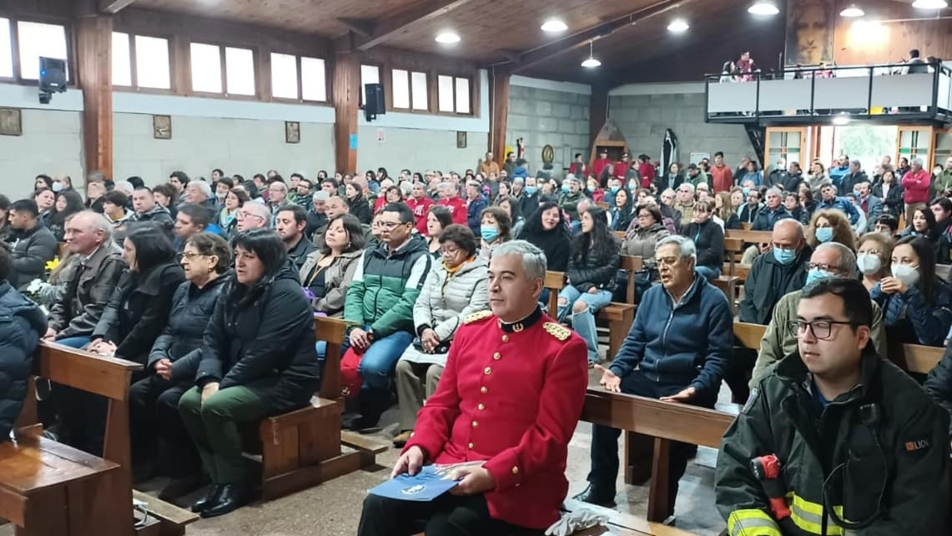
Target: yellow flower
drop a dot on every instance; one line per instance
(51, 265)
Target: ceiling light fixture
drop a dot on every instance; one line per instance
(678, 26)
(763, 8)
(930, 4)
(554, 26)
(852, 11)
(591, 62)
(841, 119)
(447, 38)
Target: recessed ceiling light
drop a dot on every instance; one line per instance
(591, 62)
(841, 119)
(678, 26)
(447, 38)
(852, 11)
(763, 8)
(930, 4)
(554, 26)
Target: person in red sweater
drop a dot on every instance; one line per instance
(621, 168)
(420, 204)
(915, 187)
(722, 179)
(449, 198)
(578, 167)
(599, 165)
(646, 171)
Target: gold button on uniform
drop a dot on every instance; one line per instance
(505, 338)
(471, 446)
(515, 470)
(475, 424)
(481, 407)
(496, 356)
(487, 371)
(483, 390)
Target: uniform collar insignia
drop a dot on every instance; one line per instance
(527, 322)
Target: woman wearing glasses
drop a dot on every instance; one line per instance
(161, 445)
(454, 289)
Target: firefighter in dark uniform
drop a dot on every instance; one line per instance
(511, 396)
(861, 448)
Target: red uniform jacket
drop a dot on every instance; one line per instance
(512, 399)
(457, 206)
(621, 169)
(578, 169)
(420, 210)
(647, 173)
(599, 165)
(915, 186)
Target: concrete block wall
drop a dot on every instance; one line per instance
(200, 144)
(417, 149)
(549, 117)
(51, 143)
(643, 120)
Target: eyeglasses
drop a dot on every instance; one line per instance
(242, 215)
(389, 224)
(823, 266)
(192, 255)
(821, 329)
(449, 252)
(667, 261)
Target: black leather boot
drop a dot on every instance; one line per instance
(210, 498)
(231, 498)
(595, 496)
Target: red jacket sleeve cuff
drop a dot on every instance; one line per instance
(430, 449)
(505, 469)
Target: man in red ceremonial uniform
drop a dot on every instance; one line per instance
(599, 164)
(511, 396)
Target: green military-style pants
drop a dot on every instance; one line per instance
(213, 427)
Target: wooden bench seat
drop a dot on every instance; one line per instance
(620, 523)
(619, 316)
(164, 519)
(728, 285)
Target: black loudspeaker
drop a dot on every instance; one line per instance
(373, 101)
(52, 75)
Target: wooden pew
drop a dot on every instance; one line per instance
(665, 422)
(109, 378)
(750, 237)
(733, 250)
(631, 264)
(749, 335)
(921, 359)
(942, 271)
(620, 316)
(302, 449)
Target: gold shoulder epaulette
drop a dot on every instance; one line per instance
(476, 317)
(558, 331)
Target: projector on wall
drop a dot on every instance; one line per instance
(52, 78)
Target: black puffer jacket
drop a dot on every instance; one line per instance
(138, 310)
(709, 241)
(263, 338)
(21, 326)
(590, 269)
(181, 340)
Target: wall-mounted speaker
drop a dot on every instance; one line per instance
(374, 104)
(52, 78)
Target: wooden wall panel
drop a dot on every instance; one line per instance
(94, 66)
(889, 42)
(346, 95)
(499, 85)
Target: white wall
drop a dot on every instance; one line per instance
(51, 142)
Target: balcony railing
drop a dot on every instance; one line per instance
(885, 92)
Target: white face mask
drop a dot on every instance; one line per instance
(868, 263)
(57, 186)
(905, 273)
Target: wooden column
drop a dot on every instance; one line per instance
(598, 113)
(498, 111)
(94, 70)
(347, 105)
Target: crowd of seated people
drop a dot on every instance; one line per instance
(226, 331)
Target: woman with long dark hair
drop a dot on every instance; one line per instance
(68, 202)
(591, 271)
(923, 224)
(258, 359)
(327, 272)
(621, 211)
(158, 435)
(138, 309)
(916, 303)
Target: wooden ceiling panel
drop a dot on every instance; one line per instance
(489, 28)
(310, 16)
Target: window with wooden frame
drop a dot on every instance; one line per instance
(369, 74)
(299, 78)
(231, 73)
(36, 40)
(141, 62)
(6, 49)
(410, 90)
(454, 95)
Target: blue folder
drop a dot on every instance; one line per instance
(428, 484)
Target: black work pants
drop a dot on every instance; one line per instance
(604, 453)
(447, 515)
(157, 429)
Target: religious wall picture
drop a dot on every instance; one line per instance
(162, 127)
(461, 139)
(10, 122)
(292, 132)
(810, 25)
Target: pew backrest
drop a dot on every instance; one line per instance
(555, 282)
(333, 331)
(751, 237)
(749, 335)
(921, 359)
(631, 264)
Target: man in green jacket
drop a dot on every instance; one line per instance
(861, 448)
(780, 339)
(379, 305)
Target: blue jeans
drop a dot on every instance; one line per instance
(74, 342)
(709, 273)
(584, 322)
(380, 360)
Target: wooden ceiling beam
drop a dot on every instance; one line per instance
(531, 57)
(418, 13)
(363, 27)
(112, 7)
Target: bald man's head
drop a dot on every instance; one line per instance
(788, 234)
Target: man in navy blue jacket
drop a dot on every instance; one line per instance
(676, 351)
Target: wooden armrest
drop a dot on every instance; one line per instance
(93, 373)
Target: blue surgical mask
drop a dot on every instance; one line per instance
(858, 194)
(745, 189)
(615, 189)
(57, 187)
(488, 232)
(565, 188)
(784, 256)
(632, 185)
(816, 274)
(531, 190)
(824, 234)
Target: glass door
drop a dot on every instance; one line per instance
(787, 143)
